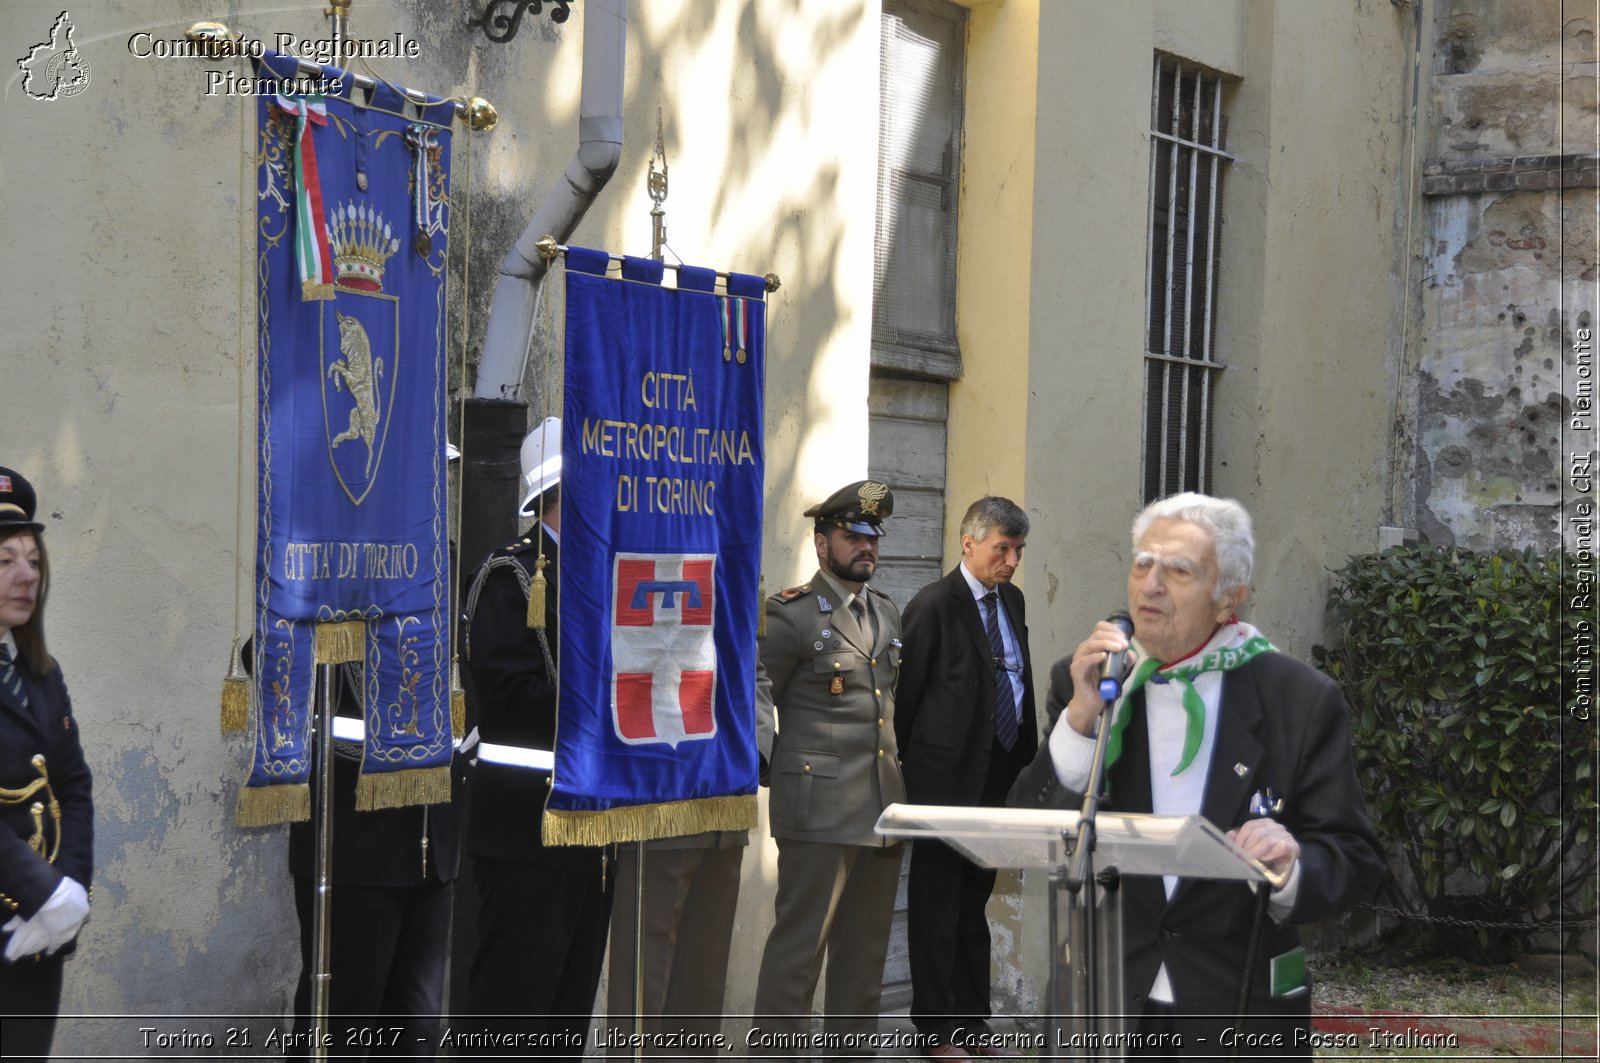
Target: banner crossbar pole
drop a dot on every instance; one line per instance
(549, 250)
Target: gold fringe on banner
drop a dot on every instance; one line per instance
(392, 789)
(761, 608)
(341, 641)
(235, 696)
(536, 590)
(638, 823)
(458, 700)
(263, 806)
(315, 292)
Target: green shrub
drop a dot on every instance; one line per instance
(1480, 782)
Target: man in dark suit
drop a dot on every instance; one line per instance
(1214, 721)
(543, 910)
(965, 724)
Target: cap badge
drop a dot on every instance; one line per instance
(871, 493)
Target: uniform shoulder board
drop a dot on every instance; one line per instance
(522, 544)
(792, 593)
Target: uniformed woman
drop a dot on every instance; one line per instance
(46, 814)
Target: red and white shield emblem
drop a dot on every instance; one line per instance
(663, 656)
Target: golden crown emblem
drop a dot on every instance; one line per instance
(362, 245)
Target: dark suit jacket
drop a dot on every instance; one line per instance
(516, 695)
(1282, 725)
(944, 703)
(46, 727)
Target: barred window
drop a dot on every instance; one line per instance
(1188, 134)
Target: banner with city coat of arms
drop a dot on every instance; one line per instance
(352, 560)
(661, 512)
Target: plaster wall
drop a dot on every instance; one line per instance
(1312, 291)
(129, 319)
(1308, 306)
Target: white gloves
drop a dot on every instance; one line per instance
(52, 926)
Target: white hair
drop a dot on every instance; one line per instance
(1224, 519)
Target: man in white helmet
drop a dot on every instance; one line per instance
(542, 910)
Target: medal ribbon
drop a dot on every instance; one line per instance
(1151, 670)
(312, 253)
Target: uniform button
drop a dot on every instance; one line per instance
(807, 767)
(880, 721)
(874, 660)
(877, 693)
(836, 664)
(880, 754)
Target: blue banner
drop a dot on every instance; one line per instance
(352, 556)
(661, 510)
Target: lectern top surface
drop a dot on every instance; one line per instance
(1190, 846)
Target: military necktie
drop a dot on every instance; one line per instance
(858, 606)
(1005, 698)
(10, 679)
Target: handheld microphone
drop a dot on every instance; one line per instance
(1115, 664)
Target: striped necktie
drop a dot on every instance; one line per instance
(1005, 697)
(10, 679)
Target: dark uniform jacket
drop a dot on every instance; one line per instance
(47, 729)
(516, 692)
(407, 846)
(1282, 725)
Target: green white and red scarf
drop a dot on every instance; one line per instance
(1237, 644)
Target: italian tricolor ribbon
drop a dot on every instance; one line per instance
(312, 252)
(1221, 659)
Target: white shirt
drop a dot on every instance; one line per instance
(1008, 638)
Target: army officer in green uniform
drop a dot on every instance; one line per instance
(832, 651)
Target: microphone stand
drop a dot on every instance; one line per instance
(1080, 872)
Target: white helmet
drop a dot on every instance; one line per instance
(541, 463)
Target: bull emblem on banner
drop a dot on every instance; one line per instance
(366, 329)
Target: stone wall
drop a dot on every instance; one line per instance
(1507, 263)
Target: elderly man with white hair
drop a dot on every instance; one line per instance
(1213, 720)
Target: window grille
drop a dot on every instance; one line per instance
(1188, 137)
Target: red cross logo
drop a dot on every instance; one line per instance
(664, 658)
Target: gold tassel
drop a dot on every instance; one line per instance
(264, 806)
(761, 608)
(458, 700)
(536, 588)
(235, 696)
(644, 822)
(392, 789)
(340, 642)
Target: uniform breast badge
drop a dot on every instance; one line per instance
(836, 686)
